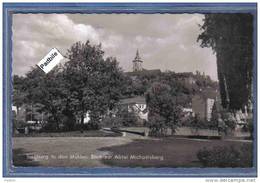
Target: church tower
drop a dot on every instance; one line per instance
(137, 63)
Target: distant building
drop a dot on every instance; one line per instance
(86, 118)
(137, 63)
(186, 77)
(209, 106)
(134, 104)
(187, 111)
(138, 69)
(202, 103)
(137, 105)
(144, 72)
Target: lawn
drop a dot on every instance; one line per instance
(61, 151)
(110, 151)
(166, 152)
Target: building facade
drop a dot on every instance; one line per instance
(202, 104)
(137, 105)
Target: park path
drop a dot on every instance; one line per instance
(130, 134)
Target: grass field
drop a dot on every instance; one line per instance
(167, 152)
(110, 151)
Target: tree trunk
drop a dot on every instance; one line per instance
(82, 123)
(56, 119)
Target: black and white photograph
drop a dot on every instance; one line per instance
(133, 90)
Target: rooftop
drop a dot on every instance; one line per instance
(133, 100)
(208, 93)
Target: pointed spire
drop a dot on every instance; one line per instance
(137, 57)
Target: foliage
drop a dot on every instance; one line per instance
(163, 111)
(112, 121)
(92, 83)
(43, 92)
(123, 118)
(157, 125)
(86, 82)
(128, 118)
(197, 123)
(226, 156)
(231, 37)
(68, 120)
(226, 122)
(229, 120)
(50, 127)
(18, 124)
(183, 85)
(18, 94)
(250, 127)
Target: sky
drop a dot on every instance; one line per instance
(164, 41)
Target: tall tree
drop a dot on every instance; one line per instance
(93, 83)
(164, 112)
(231, 38)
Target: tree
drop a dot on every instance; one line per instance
(18, 91)
(231, 38)
(46, 92)
(128, 118)
(164, 112)
(93, 83)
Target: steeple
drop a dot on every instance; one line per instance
(137, 57)
(137, 62)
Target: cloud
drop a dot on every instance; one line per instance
(165, 41)
(35, 35)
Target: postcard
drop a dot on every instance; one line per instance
(129, 90)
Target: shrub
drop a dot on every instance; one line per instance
(112, 121)
(197, 123)
(68, 121)
(249, 127)
(86, 126)
(93, 125)
(220, 156)
(19, 123)
(230, 122)
(157, 126)
(49, 127)
(123, 118)
(127, 118)
(164, 111)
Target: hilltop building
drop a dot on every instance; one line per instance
(139, 70)
(137, 63)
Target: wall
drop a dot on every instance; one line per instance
(199, 106)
